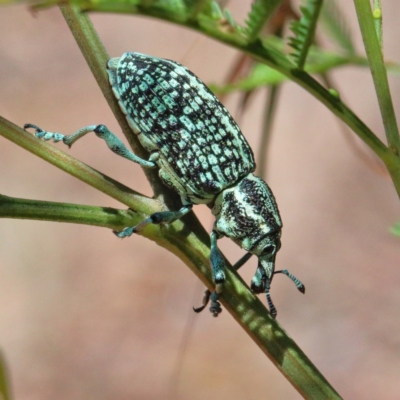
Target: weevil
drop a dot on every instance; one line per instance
(201, 153)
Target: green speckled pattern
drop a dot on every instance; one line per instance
(201, 149)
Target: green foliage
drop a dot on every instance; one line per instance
(318, 62)
(261, 11)
(216, 11)
(229, 18)
(304, 31)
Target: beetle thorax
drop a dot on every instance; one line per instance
(247, 213)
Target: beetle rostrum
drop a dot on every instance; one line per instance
(200, 153)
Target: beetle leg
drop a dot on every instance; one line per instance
(57, 137)
(116, 145)
(215, 307)
(112, 141)
(158, 218)
(217, 260)
(208, 293)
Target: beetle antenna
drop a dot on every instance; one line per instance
(271, 306)
(300, 287)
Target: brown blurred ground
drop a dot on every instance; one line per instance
(86, 316)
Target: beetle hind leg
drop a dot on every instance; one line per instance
(58, 137)
(101, 131)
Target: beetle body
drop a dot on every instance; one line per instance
(201, 153)
(199, 148)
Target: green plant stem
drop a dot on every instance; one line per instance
(276, 60)
(379, 75)
(377, 14)
(188, 240)
(11, 207)
(268, 120)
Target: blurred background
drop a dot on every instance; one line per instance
(86, 316)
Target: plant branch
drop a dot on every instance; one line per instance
(268, 120)
(378, 70)
(11, 207)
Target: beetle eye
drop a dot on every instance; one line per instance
(268, 250)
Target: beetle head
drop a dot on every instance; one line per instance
(247, 213)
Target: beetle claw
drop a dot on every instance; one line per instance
(206, 299)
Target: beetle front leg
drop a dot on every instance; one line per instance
(112, 141)
(217, 262)
(208, 294)
(158, 218)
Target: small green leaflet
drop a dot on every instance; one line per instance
(304, 30)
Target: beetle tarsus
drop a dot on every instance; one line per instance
(125, 232)
(215, 307)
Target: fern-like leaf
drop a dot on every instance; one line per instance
(261, 11)
(304, 30)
